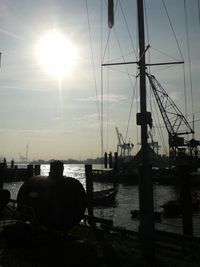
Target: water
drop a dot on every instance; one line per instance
(126, 200)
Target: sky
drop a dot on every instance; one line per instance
(59, 117)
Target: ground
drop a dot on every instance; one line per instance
(24, 244)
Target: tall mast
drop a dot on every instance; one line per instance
(145, 184)
(143, 119)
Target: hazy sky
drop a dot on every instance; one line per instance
(60, 119)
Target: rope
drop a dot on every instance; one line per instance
(185, 94)
(119, 58)
(163, 53)
(137, 110)
(128, 30)
(122, 57)
(127, 72)
(189, 58)
(172, 29)
(109, 31)
(121, 71)
(93, 68)
(108, 100)
(198, 10)
(146, 21)
(102, 107)
(148, 51)
(130, 111)
(103, 54)
(157, 120)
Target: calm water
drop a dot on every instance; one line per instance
(126, 200)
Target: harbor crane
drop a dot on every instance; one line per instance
(175, 122)
(154, 144)
(123, 147)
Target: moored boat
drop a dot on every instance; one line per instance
(174, 207)
(104, 197)
(136, 214)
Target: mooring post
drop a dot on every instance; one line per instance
(37, 169)
(1, 182)
(186, 199)
(30, 170)
(89, 191)
(116, 161)
(110, 160)
(56, 170)
(1, 175)
(105, 160)
(12, 164)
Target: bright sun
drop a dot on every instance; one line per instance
(56, 54)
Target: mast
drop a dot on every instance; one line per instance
(145, 184)
(143, 119)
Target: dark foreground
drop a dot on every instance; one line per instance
(22, 245)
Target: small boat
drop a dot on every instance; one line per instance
(104, 197)
(121, 176)
(174, 207)
(136, 214)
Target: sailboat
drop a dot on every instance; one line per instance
(182, 150)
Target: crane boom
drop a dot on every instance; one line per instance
(175, 122)
(173, 118)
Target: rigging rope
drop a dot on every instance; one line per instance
(189, 57)
(93, 68)
(129, 77)
(185, 96)
(102, 111)
(136, 56)
(163, 53)
(175, 37)
(103, 54)
(109, 31)
(159, 127)
(130, 111)
(108, 93)
(148, 51)
(127, 71)
(123, 57)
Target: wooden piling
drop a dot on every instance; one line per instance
(37, 169)
(89, 191)
(110, 160)
(186, 199)
(105, 160)
(30, 170)
(116, 161)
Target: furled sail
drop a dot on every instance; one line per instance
(110, 13)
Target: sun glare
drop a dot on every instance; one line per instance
(56, 54)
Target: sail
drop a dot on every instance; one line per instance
(110, 13)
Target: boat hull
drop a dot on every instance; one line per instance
(104, 197)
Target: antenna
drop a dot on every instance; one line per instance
(27, 148)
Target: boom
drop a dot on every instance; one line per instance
(175, 122)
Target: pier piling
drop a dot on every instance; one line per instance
(186, 199)
(89, 191)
